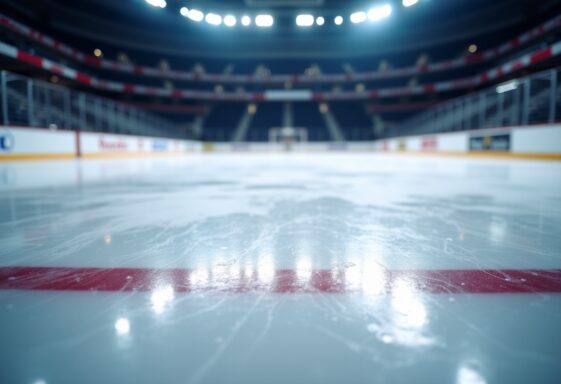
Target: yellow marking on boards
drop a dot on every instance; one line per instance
(484, 154)
(37, 156)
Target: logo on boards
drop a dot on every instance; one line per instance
(112, 144)
(498, 143)
(7, 141)
(158, 146)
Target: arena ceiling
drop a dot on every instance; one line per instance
(132, 24)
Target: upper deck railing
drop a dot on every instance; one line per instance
(33, 103)
(534, 99)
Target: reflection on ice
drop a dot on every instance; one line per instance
(266, 270)
(224, 273)
(373, 278)
(123, 332)
(409, 311)
(304, 270)
(353, 279)
(497, 229)
(248, 272)
(407, 321)
(368, 278)
(409, 315)
(469, 374)
(122, 326)
(199, 278)
(161, 298)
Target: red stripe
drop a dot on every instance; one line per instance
(188, 109)
(517, 65)
(474, 58)
(541, 55)
(401, 106)
(429, 88)
(92, 60)
(30, 59)
(59, 70)
(316, 96)
(83, 78)
(283, 281)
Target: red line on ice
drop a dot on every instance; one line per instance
(279, 281)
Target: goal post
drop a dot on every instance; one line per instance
(287, 136)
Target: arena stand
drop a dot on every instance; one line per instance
(347, 106)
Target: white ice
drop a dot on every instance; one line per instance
(226, 213)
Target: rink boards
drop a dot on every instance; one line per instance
(20, 143)
(540, 141)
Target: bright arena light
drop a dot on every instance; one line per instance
(195, 15)
(320, 20)
(157, 3)
(304, 20)
(408, 3)
(213, 18)
(338, 20)
(230, 20)
(264, 20)
(358, 17)
(184, 11)
(246, 20)
(379, 13)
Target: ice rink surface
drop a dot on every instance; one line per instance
(281, 268)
